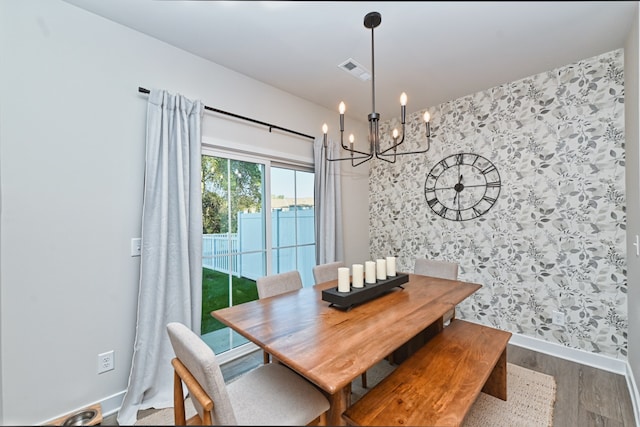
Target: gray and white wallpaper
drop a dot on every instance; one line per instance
(555, 238)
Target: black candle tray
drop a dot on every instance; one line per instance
(346, 300)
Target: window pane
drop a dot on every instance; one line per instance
(233, 241)
(283, 260)
(305, 204)
(306, 261)
(293, 219)
(215, 193)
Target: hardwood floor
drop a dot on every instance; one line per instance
(586, 396)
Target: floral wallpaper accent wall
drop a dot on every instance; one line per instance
(555, 239)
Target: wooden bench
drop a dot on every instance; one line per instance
(439, 383)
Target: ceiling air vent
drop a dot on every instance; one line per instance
(355, 69)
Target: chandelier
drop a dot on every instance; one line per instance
(389, 154)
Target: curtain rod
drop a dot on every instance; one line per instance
(270, 126)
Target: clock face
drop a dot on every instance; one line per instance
(462, 186)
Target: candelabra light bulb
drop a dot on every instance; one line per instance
(395, 134)
(325, 128)
(351, 138)
(342, 108)
(427, 116)
(403, 99)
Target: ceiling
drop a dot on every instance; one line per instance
(433, 51)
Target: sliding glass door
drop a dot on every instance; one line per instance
(258, 219)
(233, 241)
(292, 218)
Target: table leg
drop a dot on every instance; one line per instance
(338, 403)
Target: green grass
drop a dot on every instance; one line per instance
(215, 295)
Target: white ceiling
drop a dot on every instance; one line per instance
(433, 51)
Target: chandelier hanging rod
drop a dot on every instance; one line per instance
(371, 21)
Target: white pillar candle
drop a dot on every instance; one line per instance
(357, 273)
(391, 266)
(381, 269)
(370, 272)
(343, 279)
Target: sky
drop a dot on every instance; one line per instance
(283, 183)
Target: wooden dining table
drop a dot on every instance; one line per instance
(331, 346)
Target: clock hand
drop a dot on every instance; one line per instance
(458, 189)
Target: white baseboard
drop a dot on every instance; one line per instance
(594, 360)
(633, 392)
(108, 406)
(112, 404)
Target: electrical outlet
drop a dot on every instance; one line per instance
(558, 318)
(136, 246)
(106, 362)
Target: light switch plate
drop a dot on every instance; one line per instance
(136, 246)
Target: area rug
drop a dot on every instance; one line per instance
(530, 399)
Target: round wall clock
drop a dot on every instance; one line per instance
(462, 186)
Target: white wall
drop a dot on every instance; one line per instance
(632, 119)
(355, 205)
(72, 132)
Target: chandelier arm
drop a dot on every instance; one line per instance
(379, 156)
(325, 145)
(348, 158)
(354, 151)
(351, 150)
(367, 158)
(408, 152)
(394, 146)
(358, 152)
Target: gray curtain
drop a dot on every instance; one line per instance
(171, 259)
(328, 204)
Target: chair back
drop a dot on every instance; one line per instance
(276, 284)
(441, 270)
(200, 361)
(325, 272)
(436, 268)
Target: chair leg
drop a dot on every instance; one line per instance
(178, 401)
(363, 377)
(323, 419)
(265, 357)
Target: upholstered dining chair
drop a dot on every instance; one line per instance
(442, 270)
(325, 272)
(276, 284)
(268, 395)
